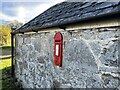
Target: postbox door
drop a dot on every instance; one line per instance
(58, 49)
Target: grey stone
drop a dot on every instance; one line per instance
(20, 65)
(24, 50)
(75, 62)
(107, 35)
(41, 59)
(89, 35)
(107, 69)
(30, 47)
(113, 83)
(82, 50)
(110, 55)
(25, 64)
(56, 84)
(33, 56)
(26, 40)
(89, 82)
(110, 81)
(37, 46)
(20, 38)
(96, 48)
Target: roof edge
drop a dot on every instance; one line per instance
(116, 14)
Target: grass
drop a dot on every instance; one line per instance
(5, 63)
(8, 83)
(6, 45)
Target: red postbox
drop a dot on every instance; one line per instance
(58, 39)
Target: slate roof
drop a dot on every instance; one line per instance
(66, 12)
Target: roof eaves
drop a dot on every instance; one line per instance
(64, 23)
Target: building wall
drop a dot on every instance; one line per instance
(90, 59)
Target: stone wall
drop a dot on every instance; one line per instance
(90, 59)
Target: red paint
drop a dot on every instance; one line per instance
(58, 39)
